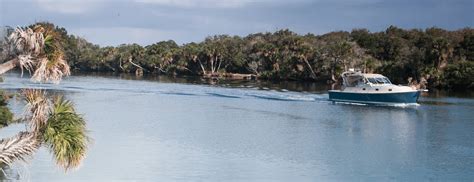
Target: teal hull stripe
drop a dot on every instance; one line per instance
(405, 97)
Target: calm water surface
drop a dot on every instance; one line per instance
(162, 130)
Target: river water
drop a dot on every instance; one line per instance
(160, 129)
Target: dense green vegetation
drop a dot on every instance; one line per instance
(440, 57)
(6, 116)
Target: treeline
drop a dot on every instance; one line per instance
(443, 58)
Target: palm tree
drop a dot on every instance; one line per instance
(65, 133)
(37, 50)
(51, 121)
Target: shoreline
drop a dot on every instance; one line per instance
(261, 84)
(237, 77)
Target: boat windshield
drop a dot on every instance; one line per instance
(353, 80)
(379, 80)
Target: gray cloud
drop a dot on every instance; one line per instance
(108, 22)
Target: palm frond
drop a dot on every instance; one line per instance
(39, 51)
(51, 70)
(37, 108)
(26, 61)
(27, 45)
(18, 147)
(52, 66)
(65, 134)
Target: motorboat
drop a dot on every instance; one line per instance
(365, 88)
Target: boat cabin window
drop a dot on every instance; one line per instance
(379, 80)
(353, 81)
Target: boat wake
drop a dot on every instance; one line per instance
(97, 84)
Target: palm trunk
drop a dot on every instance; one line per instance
(202, 67)
(333, 70)
(345, 65)
(160, 69)
(120, 65)
(215, 65)
(219, 66)
(333, 77)
(135, 64)
(9, 65)
(310, 68)
(212, 65)
(186, 68)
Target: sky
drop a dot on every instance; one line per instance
(114, 22)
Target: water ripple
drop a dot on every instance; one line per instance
(115, 85)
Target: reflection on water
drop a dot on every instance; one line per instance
(166, 129)
(258, 84)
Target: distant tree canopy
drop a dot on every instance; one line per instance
(443, 58)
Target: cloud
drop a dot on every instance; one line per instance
(201, 3)
(113, 36)
(70, 6)
(112, 22)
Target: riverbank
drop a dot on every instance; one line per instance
(292, 85)
(261, 84)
